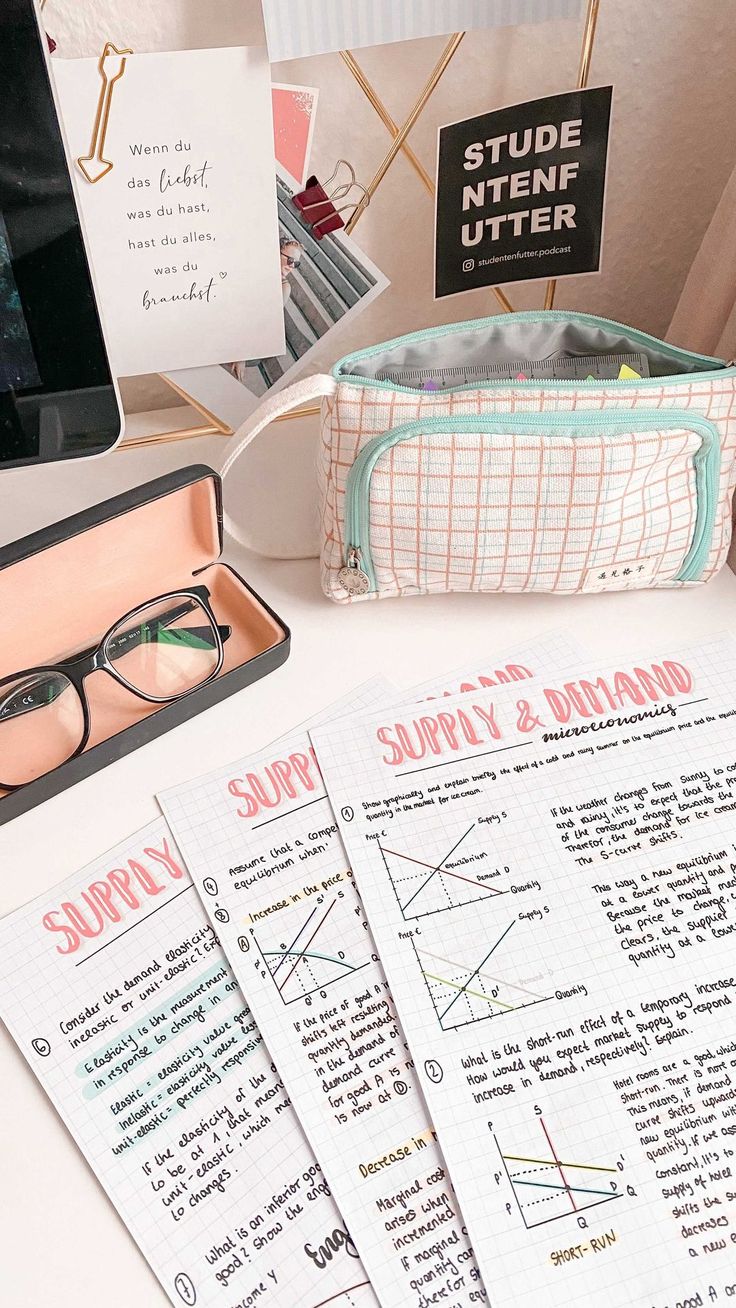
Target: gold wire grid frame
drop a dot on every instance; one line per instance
(212, 425)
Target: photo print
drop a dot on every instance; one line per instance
(324, 284)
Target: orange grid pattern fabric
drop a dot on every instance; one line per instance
(529, 511)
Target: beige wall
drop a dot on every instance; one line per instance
(672, 63)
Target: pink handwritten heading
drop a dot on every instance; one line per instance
(104, 902)
(284, 778)
(450, 731)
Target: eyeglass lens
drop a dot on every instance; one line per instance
(166, 650)
(41, 725)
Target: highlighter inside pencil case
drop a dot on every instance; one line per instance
(563, 486)
(67, 585)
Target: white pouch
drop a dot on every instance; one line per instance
(562, 486)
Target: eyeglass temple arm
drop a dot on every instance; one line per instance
(225, 632)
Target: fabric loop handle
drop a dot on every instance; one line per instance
(309, 388)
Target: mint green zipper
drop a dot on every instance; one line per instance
(706, 466)
(716, 366)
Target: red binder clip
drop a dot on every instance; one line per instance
(317, 205)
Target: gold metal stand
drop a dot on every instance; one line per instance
(399, 143)
(385, 117)
(383, 113)
(586, 54)
(212, 425)
(401, 135)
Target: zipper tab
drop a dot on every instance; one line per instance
(352, 578)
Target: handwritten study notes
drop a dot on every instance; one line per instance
(549, 872)
(117, 992)
(261, 842)
(295, 28)
(178, 203)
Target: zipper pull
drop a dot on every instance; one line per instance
(351, 577)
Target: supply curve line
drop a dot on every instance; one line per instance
(303, 927)
(512, 985)
(446, 871)
(563, 1178)
(475, 973)
(438, 868)
(317, 929)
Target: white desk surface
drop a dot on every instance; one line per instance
(61, 1243)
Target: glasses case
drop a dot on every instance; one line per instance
(66, 585)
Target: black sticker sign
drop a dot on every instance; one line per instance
(520, 192)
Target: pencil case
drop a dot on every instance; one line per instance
(555, 485)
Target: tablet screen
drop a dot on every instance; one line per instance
(57, 398)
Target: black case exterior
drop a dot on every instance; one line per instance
(131, 738)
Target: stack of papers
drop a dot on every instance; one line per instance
(427, 1003)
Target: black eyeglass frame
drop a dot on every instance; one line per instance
(94, 659)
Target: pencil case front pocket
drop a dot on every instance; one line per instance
(558, 502)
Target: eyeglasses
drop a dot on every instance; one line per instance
(290, 263)
(160, 651)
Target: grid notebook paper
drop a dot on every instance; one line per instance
(549, 874)
(260, 840)
(117, 992)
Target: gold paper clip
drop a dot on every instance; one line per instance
(94, 166)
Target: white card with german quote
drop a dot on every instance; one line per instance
(173, 162)
(548, 870)
(116, 990)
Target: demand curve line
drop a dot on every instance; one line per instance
(446, 871)
(477, 994)
(304, 953)
(561, 1189)
(512, 985)
(437, 869)
(547, 1162)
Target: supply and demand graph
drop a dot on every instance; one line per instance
(307, 948)
(427, 881)
(465, 990)
(550, 1180)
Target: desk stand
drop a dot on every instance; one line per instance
(399, 144)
